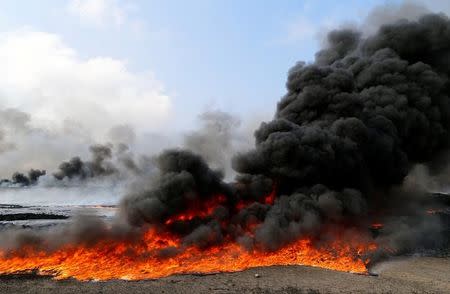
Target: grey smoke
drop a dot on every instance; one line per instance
(11, 120)
(14, 119)
(122, 134)
(391, 13)
(4, 144)
(215, 139)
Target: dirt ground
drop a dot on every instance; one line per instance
(408, 275)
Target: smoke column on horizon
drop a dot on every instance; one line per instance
(219, 136)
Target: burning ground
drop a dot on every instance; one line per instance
(416, 275)
(325, 184)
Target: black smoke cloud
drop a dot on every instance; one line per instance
(107, 161)
(184, 178)
(97, 166)
(21, 180)
(363, 113)
(348, 131)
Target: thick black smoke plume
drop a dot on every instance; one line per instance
(184, 179)
(348, 131)
(363, 113)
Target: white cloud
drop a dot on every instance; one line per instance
(46, 78)
(99, 12)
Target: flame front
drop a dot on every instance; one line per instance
(143, 260)
(158, 252)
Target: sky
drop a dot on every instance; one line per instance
(84, 66)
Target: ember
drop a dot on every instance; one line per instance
(377, 226)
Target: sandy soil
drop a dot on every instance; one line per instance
(411, 275)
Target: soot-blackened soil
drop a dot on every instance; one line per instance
(409, 275)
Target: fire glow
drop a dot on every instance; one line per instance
(158, 253)
(142, 260)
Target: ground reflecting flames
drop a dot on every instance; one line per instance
(146, 260)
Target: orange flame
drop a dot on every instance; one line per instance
(270, 199)
(143, 260)
(377, 226)
(198, 209)
(158, 253)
